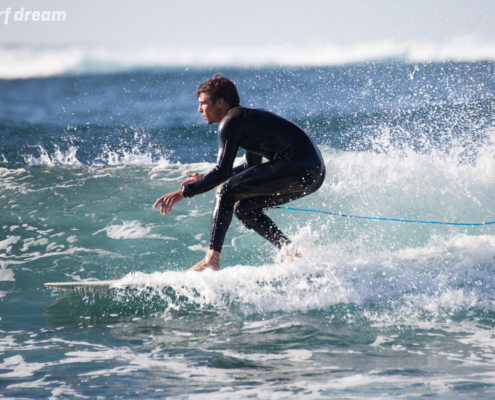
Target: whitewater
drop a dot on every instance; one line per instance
(375, 309)
(24, 61)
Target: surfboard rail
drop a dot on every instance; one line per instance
(81, 285)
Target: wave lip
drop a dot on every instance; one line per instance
(30, 62)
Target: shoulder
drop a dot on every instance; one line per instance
(235, 118)
(235, 113)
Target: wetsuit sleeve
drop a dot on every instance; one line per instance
(229, 134)
(251, 160)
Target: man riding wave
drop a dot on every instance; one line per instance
(294, 168)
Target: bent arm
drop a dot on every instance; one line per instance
(229, 135)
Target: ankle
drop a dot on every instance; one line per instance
(212, 257)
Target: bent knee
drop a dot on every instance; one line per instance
(223, 188)
(224, 192)
(238, 211)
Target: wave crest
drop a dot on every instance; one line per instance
(30, 62)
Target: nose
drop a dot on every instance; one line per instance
(199, 109)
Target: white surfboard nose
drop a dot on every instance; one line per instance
(81, 285)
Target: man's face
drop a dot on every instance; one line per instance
(211, 112)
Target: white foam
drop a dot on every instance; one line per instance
(28, 242)
(33, 256)
(19, 367)
(29, 62)
(166, 172)
(132, 230)
(448, 273)
(25, 62)
(59, 157)
(7, 172)
(6, 275)
(10, 179)
(68, 157)
(40, 383)
(134, 157)
(7, 243)
(414, 187)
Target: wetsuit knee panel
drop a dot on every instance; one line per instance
(222, 188)
(239, 212)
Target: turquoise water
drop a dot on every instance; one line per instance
(374, 310)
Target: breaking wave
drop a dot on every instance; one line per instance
(32, 62)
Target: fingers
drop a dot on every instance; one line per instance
(158, 202)
(164, 201)
(165, 207)
(167, 204)
(190, 180)
(167, 201)
(195, 176)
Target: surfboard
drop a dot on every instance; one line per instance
(81, 285)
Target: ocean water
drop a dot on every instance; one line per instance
(375, 309)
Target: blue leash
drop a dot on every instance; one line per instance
(387, 219)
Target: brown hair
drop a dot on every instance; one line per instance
(219, 87)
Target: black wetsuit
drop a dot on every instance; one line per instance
(295, 168)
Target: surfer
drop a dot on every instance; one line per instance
(294, 168)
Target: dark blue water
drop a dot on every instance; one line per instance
(374, 310)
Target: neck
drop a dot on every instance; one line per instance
(225, 110)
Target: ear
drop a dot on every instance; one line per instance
(220, 102)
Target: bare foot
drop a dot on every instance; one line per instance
(291, 255)
(211, 260)
(202, 265)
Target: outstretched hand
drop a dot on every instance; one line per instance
(194, 177)
(168, 200)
